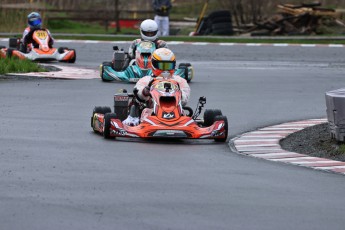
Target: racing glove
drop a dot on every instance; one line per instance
(146, 91)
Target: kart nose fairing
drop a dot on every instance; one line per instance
(52, 54)
(151, 127)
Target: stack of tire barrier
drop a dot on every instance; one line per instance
(335, 102)
(216, 23)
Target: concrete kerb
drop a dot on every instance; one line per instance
(264, 144)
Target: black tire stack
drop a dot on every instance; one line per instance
(216, 23)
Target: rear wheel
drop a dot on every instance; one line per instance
(61, 50)
(13, 43)
(74, 57)
(185, 66)
(210, 115)
(107, 118)
(225, 119)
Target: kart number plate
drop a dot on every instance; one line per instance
(121, 98)
(41, 34)
(146, 45)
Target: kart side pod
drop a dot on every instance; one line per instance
(121, 104)
(119, 59)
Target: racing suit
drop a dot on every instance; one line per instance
(27, 39)
(133, 47)
(133, 118)
(143, 82)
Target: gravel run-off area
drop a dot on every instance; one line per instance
(314, 141)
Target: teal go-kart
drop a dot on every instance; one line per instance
(126, 70)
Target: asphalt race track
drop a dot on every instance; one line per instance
(55, 173)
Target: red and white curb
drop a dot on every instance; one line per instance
(264, 144)
(67, 72)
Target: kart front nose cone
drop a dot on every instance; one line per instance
(170, 133)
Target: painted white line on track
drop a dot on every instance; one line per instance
(281, 44)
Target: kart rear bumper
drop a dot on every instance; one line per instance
(52, 55)
(133, 73)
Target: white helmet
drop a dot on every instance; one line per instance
(149, 30)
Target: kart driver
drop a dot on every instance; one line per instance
(149, 32)
(34, 23)
(163, 66)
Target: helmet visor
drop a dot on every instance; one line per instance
(150, 33)
(35, 21)
(164, 65)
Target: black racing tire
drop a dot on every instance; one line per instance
(210, 115)
(222, 32)
(9, 52)
(185, 67)
(13, 43)
(219, 14)
(222, 26)
(221, 20)
(99, 109)
(107, 117)
(225, 119)
(102, 70)
(74, 58)
(61, 50)
(189, 109)
(203, 26)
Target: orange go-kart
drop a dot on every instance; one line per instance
(163, 116)
(40, 51)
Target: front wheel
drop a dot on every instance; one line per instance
(101, 110)
(107, 125)
(225, 119)
(102, 70)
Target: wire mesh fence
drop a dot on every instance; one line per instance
(13, 12)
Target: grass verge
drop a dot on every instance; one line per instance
(15, 65)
